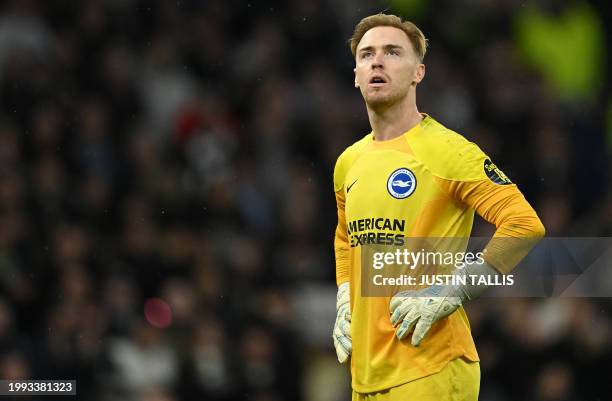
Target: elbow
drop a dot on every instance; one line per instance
(538, 230)
(532, 226)
(527, 227)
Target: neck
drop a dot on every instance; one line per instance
(389, 122)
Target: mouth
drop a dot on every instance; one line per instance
(377, 81)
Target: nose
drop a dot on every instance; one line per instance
(377, 61)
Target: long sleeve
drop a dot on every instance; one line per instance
(341, 244)
(518, 225)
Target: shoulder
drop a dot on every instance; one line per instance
(448, 154)
(346, 160)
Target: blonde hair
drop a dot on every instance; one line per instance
(412, 31)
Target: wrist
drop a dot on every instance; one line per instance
(473, 287)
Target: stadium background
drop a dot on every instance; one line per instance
(184, 150)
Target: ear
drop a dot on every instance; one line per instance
(419, 73)
(355, 72)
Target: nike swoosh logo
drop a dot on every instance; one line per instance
(351, 186)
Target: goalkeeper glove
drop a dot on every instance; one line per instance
(342, 328)
(421, 309)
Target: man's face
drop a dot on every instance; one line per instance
(386, 66)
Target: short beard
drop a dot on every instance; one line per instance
(382, 103)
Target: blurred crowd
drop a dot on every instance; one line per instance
(183, 151)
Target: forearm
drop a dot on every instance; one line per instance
(473, 287)
(341, 244)
(343, 270)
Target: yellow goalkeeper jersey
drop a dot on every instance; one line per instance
(425, 183)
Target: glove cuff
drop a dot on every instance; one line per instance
(344, 295)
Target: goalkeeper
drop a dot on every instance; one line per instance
(412, 177)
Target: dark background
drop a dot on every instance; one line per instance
(183, 150)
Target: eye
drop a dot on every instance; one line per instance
(393, 52)
(366, 54)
